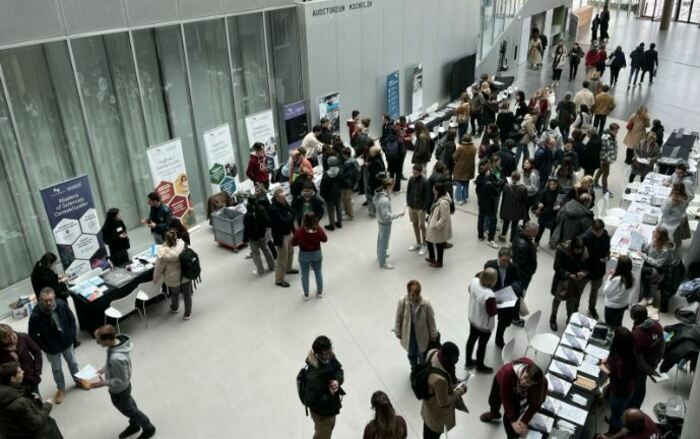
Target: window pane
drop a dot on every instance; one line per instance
(161, 64)
(211, 81)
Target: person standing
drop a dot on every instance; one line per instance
(520, 387)
(158, 218)
(566, 115)
(529, 129)
(331, 185)
(309, 238)
(52, 327)
(168, 270)
(547, 208)
(618, 290)
(595, 24)
(116, 376)
(116, 237)
(439, 230)
(415, 323)
(650, 62)
(463, 112)
(376, 173)
(534, 51)
(438, 411)
(394, 151)
(258, 171)
(421, 150)
(618, 63)
(621, 368)
(487, 192)
(636, 61)
(558, 63)
(608, 156)
(464, 157)
(44, 275)
(282, 224)
(308, 201)
(23, 415)
(255, 224)
(19, 347)
(531, 180)
(382, 202)
(323, 392)
(418, 202)
(482, 312)
(544, 159)
(637, 126)
(649, 346)
(180, 230)
(604, 23)
(505, 121)
(513, 206)
(508, 276)
(525, 258)
(386, 423)
(584, 96)
(575, 55)
(597, 242)
(604, 105)
(350, 177)
(312, 145)
(658, 129)
(570, 275)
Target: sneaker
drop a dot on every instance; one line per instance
(481, 238)
(319, 294)
(147, 433)
(415, 247)
(460, 202)
(129, 431)
(492, 244)
(282, 284)
(448, 245)
(173, 311)
(387, 266)
(489, 416)
(306, 298)
(644, 302)
(469, 364)
(255, 272)
(484, 368)
(188, 318)
(423, 250)
(58, 397)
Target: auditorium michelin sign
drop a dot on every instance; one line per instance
(340, 9)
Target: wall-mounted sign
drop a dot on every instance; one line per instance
(417, 90)
(393, 107)
(169, 176)
(221, 160)
(339, 9)
(329, 107)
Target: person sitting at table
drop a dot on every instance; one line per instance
(180, 230)
(657, 256)
(158, 217)
(673, 215)
(635, 425)
(115, 236)
(44, 275)
(517, 385)
(681, 175)
(617, 291)
(621, 369)
(168, 270)
(645, 155)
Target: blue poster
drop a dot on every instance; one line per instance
(393, 108)
(76, 229)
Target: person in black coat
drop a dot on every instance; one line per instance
(649, 63)
(331, 184)
(508, 164)
(597, 242)
(158, 217)
(508, 276)
(394, 151)
(487, 192)
(570, 276)
(591, 158)
(658, 129)
(307, 201)
(505, 122)
(115, 236)
(566, 115)
(525, 253)
(323, 391)
(547, 208)
(282, 218)
(618, 63)
(604, 23)
(43, 275)
(376, 173)
(255, 224)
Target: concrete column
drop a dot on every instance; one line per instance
(666, 13)
(691, 425)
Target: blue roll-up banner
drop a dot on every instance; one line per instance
(393, 108)
(70, 208)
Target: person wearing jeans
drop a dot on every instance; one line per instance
(439, 226)
(463, 170)
(482, 312)
(309, 238)
(382, 203)
(603, 105)
(52, 327)
(487, 192)
(608, 155)
(414, 325)
(169, 271)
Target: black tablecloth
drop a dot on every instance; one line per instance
(668, 160)
(91, 315)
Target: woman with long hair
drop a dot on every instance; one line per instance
(115, 236)
(637, 126)
(621, 367)
(657, 255)
(386, 423)
(558, 63)
(169, 271)
(44, 275)
(180, 230)
(673, 214)
(531, 180)
(547, 208)
(309, 238)
(646, 153)
(617, 291)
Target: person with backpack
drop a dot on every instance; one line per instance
(331, 184)
(394, 151)
(168, 270)
(350, 176)
(415, 324)
(386, 423)
(482, 317)
(440, 390)
(649, 347)
(255, 224)
(319, 386)
(520, 387)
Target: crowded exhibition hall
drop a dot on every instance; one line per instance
(319, 219)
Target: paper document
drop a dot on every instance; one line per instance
(642, 161)
(573, 342)
(506, 304)
(597, 352)
(572, 413)
(542, 423)
(637, 240)
(551, 405)
(87, 373)
(505, 294)
(578, 332)
(563, 369)
(579, 319)
(589, 369)
(557, 385)
(569, 355)
(532, 434)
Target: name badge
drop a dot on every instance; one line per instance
(119, 229)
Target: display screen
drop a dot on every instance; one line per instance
(295, 124)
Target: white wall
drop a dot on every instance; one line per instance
(352, 51)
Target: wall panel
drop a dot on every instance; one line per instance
(83, 16)
(142, 12)
(26, 20)
(199, 8)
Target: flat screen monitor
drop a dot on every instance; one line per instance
(462, 75)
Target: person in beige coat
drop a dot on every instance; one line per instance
(415, 323)
(439, 226)
(438, 411)
(167, 271)
(637, 126)
(463, 171)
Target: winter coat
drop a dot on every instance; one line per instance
(511, 278)
(43, 277)
(505, 121)
(598, 253)
(591, 157)
(47, 335)
(524, 254)
(317, 395)
(685, 344)
(575, 55)
(24, 416)
(255, 223)
(464, 158)
(604, 104)
(643, 150)
(258, 170)
(118, 365)
(377, 172)
(638, 131)
(438, 178)
(421, 150)
(418, 193)
(28, 356)
(608, 151)
(529, 130)
(534, 52)
(382, 204)
(566, 112)
(447, 156)
(650, 60)
(440, 223)
(566, 263)
(514, 203)
(572, 220)
(110, 235)
(636, 57)
(544, 161)
(168, 267)
(438, 411)
(508, 164)
(618, 60)
(423, 326)
(316, 204)
(281, 221)
(559, 61)
(487, 192)
(160, 216)
(548, 215)
(331, 184)
(350, 173)
(477, 103)
(584, 97)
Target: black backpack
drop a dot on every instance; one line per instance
(189, 264)
(301, 387)
(391, 149)
(420, 375)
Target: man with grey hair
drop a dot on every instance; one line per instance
(508, 276)
(525, 257)
(282, 225)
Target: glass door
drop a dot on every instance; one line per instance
(688, 11)
(652, 9)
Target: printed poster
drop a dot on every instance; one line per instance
(261, 128)
(417, 87)
(221, 159)
(393, 108)
(329, 107)
(167, 164)
(70, 208)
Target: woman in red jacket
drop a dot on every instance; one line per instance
(516, 381)
(309, 238)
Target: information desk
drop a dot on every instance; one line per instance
(677, 147)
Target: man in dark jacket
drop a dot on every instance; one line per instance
(322, 395)
(544, 159)
(525, 258)
(570, 273)
(282, 225)
(649, 348)
(418, 198)
(351, 175)
(508, 276)
(508, 164)
(650, 62)
(255, 224)
(597, 242)
(574, 218)
(308, 201)
(52, 327)
(16, 346)
(158, 217)
(394, 151)
(331, 184)
(257, 170)
(22, 414)
(566, 115)
(636, 61)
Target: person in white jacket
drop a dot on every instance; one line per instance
(482, 312)
(618, 290)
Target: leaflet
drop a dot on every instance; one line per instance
(589, 369)
(572, 413)
(569, 355)
(541, 423)
(505, 295)
(551, 405)
(532, 434)
(579, 319)
(87, 373)
(597, 352)
(557, 385)
(578, 332)
(573, 342)
(563, 369)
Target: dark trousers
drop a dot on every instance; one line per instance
(495, 407)
(436, 251)
(486, 222)
(119, 257)
(640, 390)
(505, 318)
(599, 122)
(541, 230)
(476, 334)
(573, 69)
(394, 168)
(127, 407)
(474, 118)
(613, 316)
(556, 74)
(614, 73)
(651, 76)
(514, 230)
(462, 128)
(430, 434)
